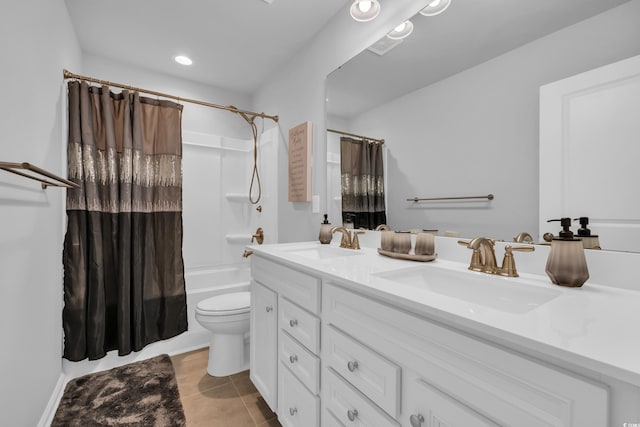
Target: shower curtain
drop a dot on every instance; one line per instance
(123, 269)
(362, 182)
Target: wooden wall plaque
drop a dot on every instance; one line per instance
(300, 163)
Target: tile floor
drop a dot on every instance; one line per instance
(208, 401)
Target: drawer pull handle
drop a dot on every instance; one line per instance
(293, 358)
(293, 322)
(352, 366)
(269, 309)
(352, 414)
(293, 411)
(416, 420)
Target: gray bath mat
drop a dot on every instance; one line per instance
(143, 393)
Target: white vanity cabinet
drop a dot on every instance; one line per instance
(294, 333)
(450, 378)
(337, 357)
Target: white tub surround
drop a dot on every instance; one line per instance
(491, 350)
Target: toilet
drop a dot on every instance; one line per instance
(226, 316)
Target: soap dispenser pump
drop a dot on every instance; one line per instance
(566, 264)
(589, 241)
(325, 231)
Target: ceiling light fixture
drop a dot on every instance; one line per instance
(401, 31)
(365, 10)
(183, 60)
(436, 7)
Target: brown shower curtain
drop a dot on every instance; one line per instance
(123, 270)
(362, 183)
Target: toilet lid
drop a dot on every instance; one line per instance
(236, 302)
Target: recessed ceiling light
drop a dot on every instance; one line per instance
(364, 10)
(436, 7)
(183, 60)
(401, 31)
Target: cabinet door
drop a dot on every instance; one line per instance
(264, 342)
(426, 406)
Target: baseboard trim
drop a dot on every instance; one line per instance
(188, 349)
(54, 401)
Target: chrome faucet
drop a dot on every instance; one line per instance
(483, 258)
(348, 241)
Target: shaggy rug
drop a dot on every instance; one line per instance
(143, 393)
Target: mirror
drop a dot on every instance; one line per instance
(457, 103)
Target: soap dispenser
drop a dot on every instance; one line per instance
(325, 231)
(566, 264)
(589, 241)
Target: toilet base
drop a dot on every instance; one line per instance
(230, 359)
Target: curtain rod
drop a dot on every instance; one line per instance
(381, 141)
(69, 75)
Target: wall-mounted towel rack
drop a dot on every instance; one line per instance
(420, 199)
(18, 167)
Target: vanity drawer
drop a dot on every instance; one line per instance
(329, 420)
(301, 288)
(349, 406)
(372, 374)
(431, 407)
(297, 406)
(304, 364)
(300, 324)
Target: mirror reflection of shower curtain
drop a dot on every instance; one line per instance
(362, 183)
(124, 282)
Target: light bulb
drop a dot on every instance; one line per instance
(401, 31)
(400, 27)
(436, 7)
(364, 10)
(183, 60)
(365, 6)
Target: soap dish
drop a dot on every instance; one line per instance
(410, 257)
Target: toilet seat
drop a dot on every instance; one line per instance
(225, 304)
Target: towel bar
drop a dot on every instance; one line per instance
(418, 199)
(60, 182)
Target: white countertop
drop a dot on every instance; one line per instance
(594, 327)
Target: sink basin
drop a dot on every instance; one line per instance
(512, 295)
(321, 252)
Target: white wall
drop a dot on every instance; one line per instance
(37, 41)
(477, 132)
(296, 93)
